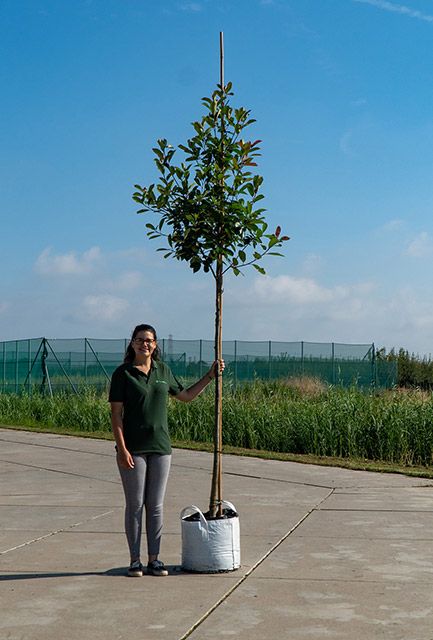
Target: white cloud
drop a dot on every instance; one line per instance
(134, 253)
(129, 280)
(284, 308)
(4, 306)
(304, 291)
(104, 307)
(398, 8)
(291, 289)
(421, 246)
(392, 225)
(67, 263)
(287, 308)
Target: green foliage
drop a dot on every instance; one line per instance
(89, 411)
(208, 204)
(391, 426)
(413, 371)
(305, 418)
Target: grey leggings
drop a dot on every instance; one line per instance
(144, 486)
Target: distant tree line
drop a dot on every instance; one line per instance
(413, 371)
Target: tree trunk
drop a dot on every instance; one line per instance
(215, 506)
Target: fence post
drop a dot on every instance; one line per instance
(200, 358)
(333, 363)
(85, 360)
(236, 363)
(373, 366)
(4, 366)
(97, 360)
(16, 366)
(62, 367)
(28, 365)
(270, 359)
(44, 367)
(302, 357)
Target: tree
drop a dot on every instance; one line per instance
(208, 216)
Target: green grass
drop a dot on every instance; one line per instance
(298, 421)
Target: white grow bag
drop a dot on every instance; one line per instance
(210, 545)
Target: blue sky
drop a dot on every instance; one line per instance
(342, 92)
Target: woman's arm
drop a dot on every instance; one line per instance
(124, 457)
(186, 395)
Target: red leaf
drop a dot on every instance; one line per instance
(277, 231)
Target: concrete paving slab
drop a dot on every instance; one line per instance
(418, 498)
(326, 552)
(38, 517)
(330, 610)
(385, 525)
(101, 607)
(357, 559)
(332, 477)
(10, 540)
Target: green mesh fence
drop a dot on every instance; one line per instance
(51, 365)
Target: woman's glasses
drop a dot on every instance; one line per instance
(142, 341)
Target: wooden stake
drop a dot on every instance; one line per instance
(222, 59)
(215, 506)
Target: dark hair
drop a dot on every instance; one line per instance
(130, 353)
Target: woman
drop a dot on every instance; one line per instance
(138, 396)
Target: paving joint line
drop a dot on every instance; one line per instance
(341, 488)
(67, 473)
(53, 446)
(346, 580)
(334, 509)
(307, 484)
(224, 597)
(254, 477)
(53, 533)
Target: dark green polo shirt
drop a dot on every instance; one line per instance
(144, 398)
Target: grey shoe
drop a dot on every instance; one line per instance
(135, 569)
(156, 568)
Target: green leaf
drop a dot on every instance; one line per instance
(206, 203)
(198, 127)
(259, 269)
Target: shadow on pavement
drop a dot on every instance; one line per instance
(173, 570)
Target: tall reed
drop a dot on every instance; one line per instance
(391, 426)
